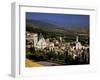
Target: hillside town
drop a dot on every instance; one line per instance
(58, 46)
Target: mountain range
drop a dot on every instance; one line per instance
(47, 26)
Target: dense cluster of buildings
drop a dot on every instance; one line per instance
(40, 43)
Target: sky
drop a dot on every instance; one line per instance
(60, 19)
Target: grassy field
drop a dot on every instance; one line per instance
(30, 63)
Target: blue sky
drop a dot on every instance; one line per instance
(60, 19)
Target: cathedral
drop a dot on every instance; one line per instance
(39, 41)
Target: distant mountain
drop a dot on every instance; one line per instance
(40, 24)
(46, 26)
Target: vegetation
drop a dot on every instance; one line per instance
(63, 59)
(30, 63)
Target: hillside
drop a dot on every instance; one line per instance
(45, 26)
(53, 31)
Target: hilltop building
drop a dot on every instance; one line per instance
(78, 44)
(41, 43)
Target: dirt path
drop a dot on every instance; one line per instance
(45, 63)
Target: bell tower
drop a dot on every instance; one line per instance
(78, 44)
(77, 38)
